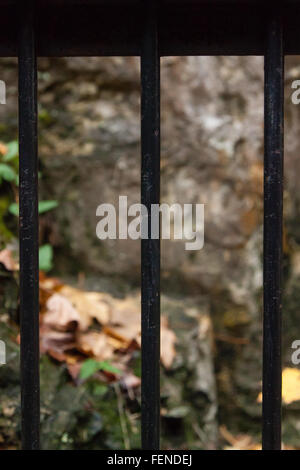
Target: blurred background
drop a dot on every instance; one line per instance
(211, 153)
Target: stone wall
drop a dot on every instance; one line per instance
(212, 153)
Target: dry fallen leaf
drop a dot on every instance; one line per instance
(129, 380)
(90, 305)
(57, 341)
(239, 442)
(117, 340)
(68, 314)
(6, 258)
(60, 314)
(95, 344)
(48, 287)
(167, 344)
(126, 319)
(51, 284)
(74, 369)
(290, 386)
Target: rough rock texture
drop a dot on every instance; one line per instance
(212, 153)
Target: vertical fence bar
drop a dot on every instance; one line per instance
(150, 248)
(273, 203)
(29, 268)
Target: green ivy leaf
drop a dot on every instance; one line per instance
(88, 368)
(44, 206)
(109, 367)
(46, 257)
(13, 208)
(91, 366)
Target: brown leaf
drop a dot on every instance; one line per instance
(117, 339)
(74, 370)
(129, 380)
(126, 326)
(167, 344)
(72, 310)
(50, 284)
(126, 319)
(95, 344)
(56, 341)
(48, 287)
(58, 356)
(60, 314)
(6, 258)
(90, 305)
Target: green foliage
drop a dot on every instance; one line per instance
(9, 164)
(12, 151)
(46, 257)
(44, 206)
(6, 234)
(9, 180)
(9, 170)
(96, 389)
(13, 208)
(7, 173)
(45, 117)
(91, 366)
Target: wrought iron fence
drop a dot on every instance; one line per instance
(150, 29)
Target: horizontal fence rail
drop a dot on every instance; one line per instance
(101, 29)
(155, 29)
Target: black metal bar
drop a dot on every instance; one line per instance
(150, 248)
(29, 264)
(273, 202)
(199, 29)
